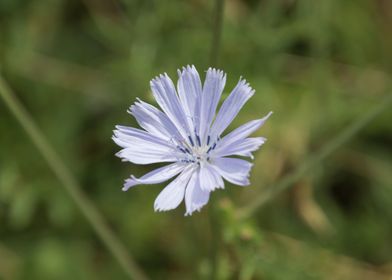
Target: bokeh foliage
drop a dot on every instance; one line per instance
(76, 65)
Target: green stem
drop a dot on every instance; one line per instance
(214, 220)
(215, 241)
(70, 184)
(312, 161)
(216, 32)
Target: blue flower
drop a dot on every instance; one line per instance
(186, 133)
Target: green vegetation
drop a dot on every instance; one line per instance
(320, 202)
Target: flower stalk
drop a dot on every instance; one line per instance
(85, 205)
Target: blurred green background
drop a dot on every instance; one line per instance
(76, 65)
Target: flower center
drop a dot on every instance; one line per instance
(200, 154)
(194, 151)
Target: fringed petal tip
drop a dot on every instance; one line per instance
(125, 187)
(189, 68)
(194, 208)
(189, 213)
(165, 208)
(216, 72)
(129, 183)
(245, 86)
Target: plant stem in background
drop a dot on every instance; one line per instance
(313, 160)
(215, 240)
(213, 211)
(216, 33)
(69, 182)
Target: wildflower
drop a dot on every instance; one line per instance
(187, 134)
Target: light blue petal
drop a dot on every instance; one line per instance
(128, 135)
(173, 194)
(209, 178)
(166, 96)
(195, 197)
(242, 147)
(242, 132)
(156, 176)
(189, 91)
(231, 106)
(146, 155)
(212, 91)
(141, 147)
(234, 170)
(153, 120)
